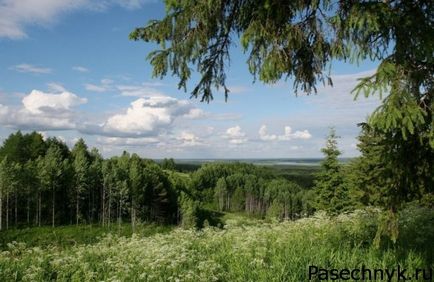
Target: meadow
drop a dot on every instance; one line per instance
(244, 249)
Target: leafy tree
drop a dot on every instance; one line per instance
(251, 186)
(168, 164)
(329, 183)
(13, 148)
(4, 190)
(221, 193)
(281, 196)
(80, 164)
(30, 186)
(108, 184)
(97, 186)
(50, 173)
(136, 185)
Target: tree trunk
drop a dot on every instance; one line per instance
(119, 216)
(76, 208)
(92, 205)
(1, 208)
(16, 209)
(7, 211)
(39, 209)
(133, 216)
(52, 217)
(28, 211)
(103, 205)
(109, 206)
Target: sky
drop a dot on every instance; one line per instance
(68, 70)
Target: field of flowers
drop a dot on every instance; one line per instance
(242, 251)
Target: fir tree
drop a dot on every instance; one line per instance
(329, 183)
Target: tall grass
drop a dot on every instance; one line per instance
(242, 251)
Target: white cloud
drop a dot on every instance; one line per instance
(56, 87)
(139, 91)
(43, 111)
(117, 141)
(16, 15)
(147, 117)
(189, 139)
(95, 88)
(263, 134)
(105, 86)
(235, 135)
(336, 105)
(288, 134)
(27, 68)
(80, 69)
(38, 102)
(195, 113)
(4, 110)
(131, 4)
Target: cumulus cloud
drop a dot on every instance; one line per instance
(145, 117)
(43, 111)
(189, 139)
(15, 15)
(38, 102)
(195, 113)
(235, 135)
(27, 68)
(288, 134)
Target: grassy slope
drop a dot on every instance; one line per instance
(67, 236)
(245, 250)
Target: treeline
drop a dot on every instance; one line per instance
(255, 190)
(43, 182)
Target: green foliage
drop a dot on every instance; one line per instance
(332, 194)
(59, 186)
(391, 172)
(241, 251)
(300, 39)
(168, 164)
(65, 237)
(282, 39)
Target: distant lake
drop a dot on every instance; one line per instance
(290, 161)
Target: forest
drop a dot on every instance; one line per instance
(71, 204)
(70, 213)
(43, 182)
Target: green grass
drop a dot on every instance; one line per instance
(244, 250)
(71, 235)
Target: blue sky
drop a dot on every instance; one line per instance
(67, 69)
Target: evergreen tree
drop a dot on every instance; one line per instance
(329, 183)
(300, 39)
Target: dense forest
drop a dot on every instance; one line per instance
(43, 182)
